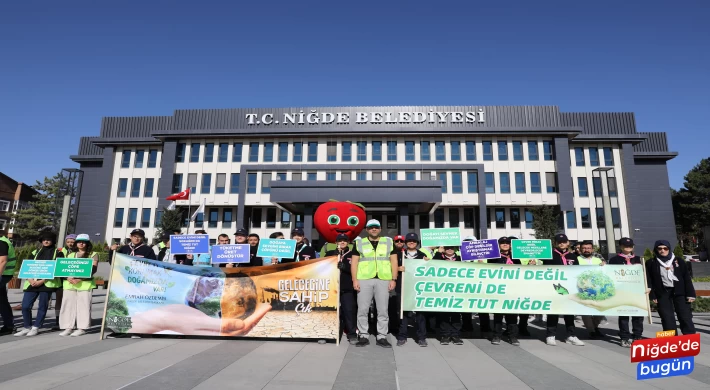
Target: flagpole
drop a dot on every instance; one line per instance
(189, 207)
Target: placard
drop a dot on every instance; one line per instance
(441, 237)
(37, 269)
(276, 247)
(480, 250)
(189, 244)
(73, 268)
(235, 253)
(532, 249)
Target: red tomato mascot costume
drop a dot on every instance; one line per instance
(333, 218)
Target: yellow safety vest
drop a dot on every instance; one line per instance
(84, 284)
(49, 283)
(11, 258)
(374, 263)
(583, 261)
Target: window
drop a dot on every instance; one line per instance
(586, 220)
(520, 187)
(256, 217)
(500, 218)
(490, 183)
(582, 189)
(177, 183)
(468, 215)
(123, 187)
(192, 182)
(270, 218)
(410, 176)
(454, 221)
(548, 148)
(311, 176)
(313, 151)
(515, 218)
(456, 183)
(132, 218)
(376, 151)
(518, 151)
(487, 151)
(195, 153)
(223, 152)
(535, 185)
(444, 184)
(391, 175)
(439, 218)
(455, 150)
(579, 156)
(532, 151)
(126, 159)
(200, 220)
(209, 152)
(251, 183)
(600, 218)
(298, 151)
(440, 148)
(346, 176)
(234, 184)
(253, 151)
(285, 220)
(158, 217)
(611, 183)
(502, 151)
(616, 217)
(266, 182)
(391, 150)
(213, 216)
(597, 186)
(148, 190)
(528, 219)
(135, 188)
(424, 221)
(330, 176)
(409, 151)
(4, 206)
(298, 220)
(268, 151)
(118, 218)
(428, 175)
(594, 157)
(152, 158)
(226, 218)
(504, 182)
(221, 183)
(608, 157)
(237, 152)
(347, 152)
(361, 176)
(472, 178)
(281, 176)
(296, 176)
(377, 176)
(470, 151)
(551, 182)
(206, 183)
(145, 218)
(283, 151)
(180, 152)
(571, 220)
(361, 150)
(425, 150)
(332, 149)
(140, 155)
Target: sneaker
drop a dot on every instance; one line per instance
(401, 342)
(550, 340)
(133, 336)
(78, 332)
(66, 332)
(514, 341)
(5, 330)
(445, 340)
(456, 340)
(495, 340)
(22, 332)
(352, 340)
(33, 332)
(422, 343)
(626, 343)
(384, 343)
(363, 341)
(574, 341)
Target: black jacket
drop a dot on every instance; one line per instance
(684, 285)
(346, 276)
(618, 260)
(142, 251)
(254, 260)
(303, 252)
(571, 258)
(503, 260)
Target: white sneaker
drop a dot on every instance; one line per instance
(574, 341)
(66, 332)
(33, 331)
(550, 340)
(23, 332)
(78, 332)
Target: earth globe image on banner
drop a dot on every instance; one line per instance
(595, 285)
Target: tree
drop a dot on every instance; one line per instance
(691, 204)
(545, 222)
(44, 211)
(171, 221)
(678, 252)
(647, 254)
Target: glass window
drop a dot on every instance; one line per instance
(551, 182)
(296, 176)
(428, 175)
(361, 176)
(611, 183)
(271, 218)
(256, 217)
(195, 152)
(608, 157)
(520, 187)
(192, 182)
(281, 176)
(424, 221)
(346, 176)
(376, 175)
(140, 155)
(212, 217)
(206, 183)
(123, 187)
(209, 152)
(251, 183)
(600, 218)
(298, 151)
(454, 220)
(126, 159)
(504, 182)
(409, 151)
(266, 182)
(132, 217)
(253, 152)
(490, 183)
(468, 215)
(579, 156)
(440, 148)
(597, 186)
(148, 190)
(285, 220)
(361, 150)
(616, 217)
(313, 151)
(332, 151)
(502, 151)
(410, 175)
(376, 151)
(311, 176)
(500, 218)
(234, 184)
(237, 152)
(535, 185)
(456, 183)
(585, 218)
(180, 152)
(158, 217)
(268, 151)
(200, 220)
(283, 151)
(425, 150)
(298, 220)
(330, 176)
(391, 150)
(221, 183)
(223, 152)
(444, 185)
(472, 178)
(528, 219)
(347, 151)
(548, 148)
(145, 218)
(227, 218)
(582, 189)
(455, 150)
(470, 151)
(177, 183)
(487, 151)
(515, 218)
(518, 151)
(118, 218)
(439, 218)
(532, 151)
(571, 220)
(594, 157)
(391, 175)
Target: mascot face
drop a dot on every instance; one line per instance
(333, 218)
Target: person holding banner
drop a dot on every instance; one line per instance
(240, 237)
(410, 252)
(449, 323)
(627, 257)
(348, 304)
(303, 250)
(201, 259)
(588, 257)
(76, 305)
(511, 320)
(254, 260)
(135, 248)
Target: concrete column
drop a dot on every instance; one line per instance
(403, 220)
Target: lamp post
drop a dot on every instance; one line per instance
(70, 189)
(603, 175)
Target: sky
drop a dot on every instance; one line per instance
(66, 64)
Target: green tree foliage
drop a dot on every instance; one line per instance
(678, 252)
(545, 220)
(691, 204)
(44, 211)
(171, 221)
(648, 254)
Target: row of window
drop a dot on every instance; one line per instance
(583, 188)
(497, 218)
(139, 158)
(580, 160)
(521, 184)
(119, 217)
(122, 189)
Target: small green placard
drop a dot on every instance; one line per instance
(441, 237)
(532, 249)
(73, 268)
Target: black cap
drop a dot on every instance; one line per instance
(138, 232)
(298, 232)
(48, 235)
(561, 238)
(626, 242)
(342, 237)
(241, 232)
(504, 240)
(411, 237)
(165, 237)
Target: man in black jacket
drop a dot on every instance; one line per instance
(410, 251)
(510, 319)
(627, 257)
(136, 248)
(303, 250)
(348, 303)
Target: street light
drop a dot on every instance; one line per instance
(603, 175)
(70, 189)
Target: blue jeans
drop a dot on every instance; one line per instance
(28, 300)
(8, 318)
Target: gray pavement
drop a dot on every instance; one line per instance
(48, 361)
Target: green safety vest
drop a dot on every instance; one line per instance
(85, 284)
(427, 252)
(50, 283)
(583, 261)
(11, 258)
(374, 263)
(161, 245)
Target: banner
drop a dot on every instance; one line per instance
(189, 244)
(235, 253)
(272, 247)
(37, 269)
(447, 286)
(73, 268)
(441, 237)
(294, 300)
(480, 250)
(531, 249)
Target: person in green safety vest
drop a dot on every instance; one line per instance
(39, 288)
(76, 305)
(8, 262)
(164, 240)
(588, 257)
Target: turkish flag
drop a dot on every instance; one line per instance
(184, 195)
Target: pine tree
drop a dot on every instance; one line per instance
(545, 222)
(44, 211)
(170, 222)
(678, 252)
(647, 254)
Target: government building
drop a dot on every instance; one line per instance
(479, 168)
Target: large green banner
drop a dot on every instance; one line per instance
(445, 286)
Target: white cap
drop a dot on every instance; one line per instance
(83, 237)
(470, 238)
(373, 222)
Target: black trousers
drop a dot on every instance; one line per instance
(8, 317)
(419, 320)
(485, 321)
(636, 322)
(348, 312)
(511, 321)
(393, 309)
(668, 303)
(553, 319)
(449, 324)
(522, 322)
